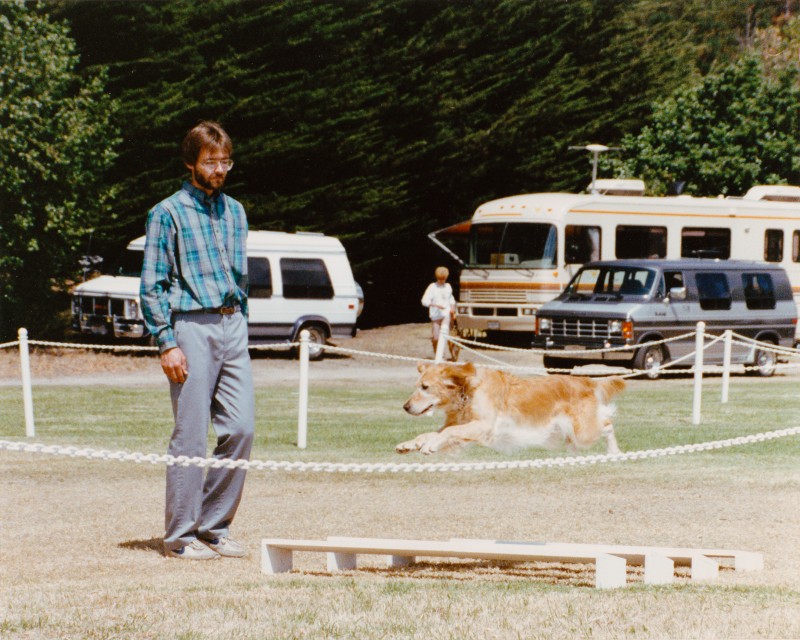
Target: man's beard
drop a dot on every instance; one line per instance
(213, 183)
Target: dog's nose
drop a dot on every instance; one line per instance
(407, 406)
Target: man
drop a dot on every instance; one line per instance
(194, 301)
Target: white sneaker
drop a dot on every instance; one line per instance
(226, 547)
(195, 550)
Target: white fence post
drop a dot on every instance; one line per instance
(27, 396)
(699, 343)
(302, 410)
(726, 364)
(444, 336)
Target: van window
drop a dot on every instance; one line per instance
(713, 291)
(759, 293)
(641, 242)
(305, 278)
(610, 280)
(671, 280)
(705, 243)
(260, 278)
(796, 246)
(773, 245)
(581, 244)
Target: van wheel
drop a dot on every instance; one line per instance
(551, 362)
(650, 358)
(766, 362)
(317, 338)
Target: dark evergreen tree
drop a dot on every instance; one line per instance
(381, 120)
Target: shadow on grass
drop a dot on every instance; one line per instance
(153, 544)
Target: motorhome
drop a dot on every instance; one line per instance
(297, 281)
(521, 251)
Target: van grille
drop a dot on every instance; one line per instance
(579, 328)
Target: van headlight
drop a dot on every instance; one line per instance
(528, 312)
(131, 309)
(622, 328)
(543, 324)
(462, 310)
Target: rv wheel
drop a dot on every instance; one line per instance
(649, 359)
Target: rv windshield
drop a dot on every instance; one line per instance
(609, 282)
(512, 245)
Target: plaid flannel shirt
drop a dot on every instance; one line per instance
(195, 258)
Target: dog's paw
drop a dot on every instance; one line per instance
(432, 445)
(407, 447)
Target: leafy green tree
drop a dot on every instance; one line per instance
(735, 129)
(56, 140)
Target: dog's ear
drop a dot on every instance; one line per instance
(460, 375)
(421, 366)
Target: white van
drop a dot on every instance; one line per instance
(297, 281)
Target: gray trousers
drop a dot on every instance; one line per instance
(219, 389)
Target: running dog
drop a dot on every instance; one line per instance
(498, 410)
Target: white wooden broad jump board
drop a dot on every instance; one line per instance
(610, 561)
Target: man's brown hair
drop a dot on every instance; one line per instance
(205, 134)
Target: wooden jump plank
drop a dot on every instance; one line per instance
(658, 569)
(431, 548)
(610, 570)
(610, 560)
(635, 554)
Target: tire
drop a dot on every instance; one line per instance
(317, 338)
(766, 361)
(649, 359)
(551, 362)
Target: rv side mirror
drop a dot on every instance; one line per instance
(677, 293)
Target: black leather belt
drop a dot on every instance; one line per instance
(225, 311)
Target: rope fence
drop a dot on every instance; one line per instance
(391, 467)
(703, 342)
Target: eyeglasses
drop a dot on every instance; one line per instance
(213, 164)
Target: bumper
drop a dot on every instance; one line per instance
(496, 319)
(113, 326)
(587, 352)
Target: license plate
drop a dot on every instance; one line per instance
(575, 347)
(493, 324)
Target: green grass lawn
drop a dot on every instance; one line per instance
(87, 561)
(363, 423)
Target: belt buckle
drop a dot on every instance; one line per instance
(227, 311)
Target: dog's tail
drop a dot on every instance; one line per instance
(607, 388)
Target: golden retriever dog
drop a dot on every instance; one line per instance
(504, 412)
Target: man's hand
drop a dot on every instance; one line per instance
(173, 362)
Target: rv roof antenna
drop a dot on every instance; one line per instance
(596, 150)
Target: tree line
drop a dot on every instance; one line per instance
(376, 121)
